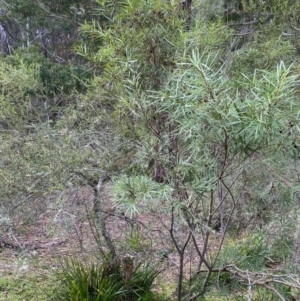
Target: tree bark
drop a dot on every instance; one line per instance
(100, 216)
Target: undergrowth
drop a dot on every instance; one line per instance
(110, 281)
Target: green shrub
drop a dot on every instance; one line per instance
(54, 78)
(105, 282)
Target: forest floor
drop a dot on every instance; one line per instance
(32, 252)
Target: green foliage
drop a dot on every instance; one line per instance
(63, 79)
(129, 191)
(19, 88)
(195, 114)
(140, 50)
(178, 118)
(25, 287)
(135, 241)
(255, 252)
(258, 249)
(264, 54)
(106, 282)
(55, 78)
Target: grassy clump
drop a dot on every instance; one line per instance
(105, 282)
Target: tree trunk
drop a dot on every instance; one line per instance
(100, 217)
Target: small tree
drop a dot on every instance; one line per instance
(193, 130)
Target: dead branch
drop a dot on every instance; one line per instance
(5, 242)
(263, 279)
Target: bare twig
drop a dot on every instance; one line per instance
(263, 279)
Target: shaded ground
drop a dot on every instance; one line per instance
(64, 227)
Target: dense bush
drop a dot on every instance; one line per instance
(55, 78)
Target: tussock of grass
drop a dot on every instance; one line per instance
(111, 281)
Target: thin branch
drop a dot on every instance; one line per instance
(52, 15)
(171, 230)
(296, 28)
(226, 193)
(255, 279)
(244, 23)
(243, 34)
